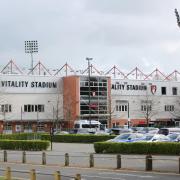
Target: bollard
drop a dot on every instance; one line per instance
(8, 173)
(78, 177)
(5, 156)
(32, 174)
(91, 160)
(23, 157)
(43, 158)
(57, 175)
(118, 161)
(179, 165)
(66, 159)
(149, 163)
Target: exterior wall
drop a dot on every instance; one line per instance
(61, 99)
(70, 100)
(124, 91)
(20, 90)
(76, 98)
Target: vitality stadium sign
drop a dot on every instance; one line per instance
(118, 86)
(31, 84)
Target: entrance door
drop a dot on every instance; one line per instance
(177, 123)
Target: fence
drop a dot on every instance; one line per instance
(144, 162)
(33, 174)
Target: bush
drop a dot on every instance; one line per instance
(33, 145)
(163, 148)
(21, 136)
(77, 138)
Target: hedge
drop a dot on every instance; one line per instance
(33, 145)
(21, 136)
(77, 138)
(163, 148)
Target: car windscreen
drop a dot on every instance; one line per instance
(148, 137)
(123, 136)
(173, 136)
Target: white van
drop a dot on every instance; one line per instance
(87, 124)
(167, 131)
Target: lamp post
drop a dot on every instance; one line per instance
(21, 120)
(31, 47)
(128, 117)
(89, 98)
(52, 126)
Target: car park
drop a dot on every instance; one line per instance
(118, 131)
(150, 130)
(126, 137)
(154, 138)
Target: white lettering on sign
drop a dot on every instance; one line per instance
(127, 87)
(33, 84)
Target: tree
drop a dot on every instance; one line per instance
(111, 110)
(149, 107)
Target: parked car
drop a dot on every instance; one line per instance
(167, 131)
(126, 137)
(102, 132)
(60, 132)
(118, 131)
(154, 138)
(136, 128)
(81, 131)
(150, 130)
(174, 137)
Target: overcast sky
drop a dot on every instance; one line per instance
(128, 34)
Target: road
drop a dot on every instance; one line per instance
(133, 166)
(87, 174)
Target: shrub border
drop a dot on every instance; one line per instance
(32, 145)
(163, 148)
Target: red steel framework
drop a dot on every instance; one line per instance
(114, 72)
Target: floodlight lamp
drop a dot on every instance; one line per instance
(31, 46)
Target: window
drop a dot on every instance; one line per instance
(163, 90)
(146, 108)
(169, 108)
(174, 90)
(121, 108)
(116, 107)
(6, 108)
(34, 108)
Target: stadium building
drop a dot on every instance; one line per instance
(40, 99)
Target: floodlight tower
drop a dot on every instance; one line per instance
(31, 47)
(177, 16)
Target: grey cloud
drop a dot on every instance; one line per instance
(123, 33)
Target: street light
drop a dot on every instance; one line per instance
(129, 121)
(52, 127)
(52, 112)
(31, 47)
(89, 76)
